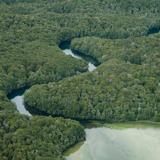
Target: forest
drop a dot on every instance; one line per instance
(121, 35)
(38, 138)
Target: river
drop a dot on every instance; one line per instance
(91, 66)
(17, 97)
(105, 143)
(65, 46)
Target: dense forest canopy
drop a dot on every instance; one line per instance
(37, 138)
(122, 35)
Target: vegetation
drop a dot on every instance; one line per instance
(126, 86)
(116, 91)
(37, 138)
(34, 62)
(141, 50)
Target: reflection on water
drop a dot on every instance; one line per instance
(91, 66)
(19, 102)
(69, 52)
(115, 144)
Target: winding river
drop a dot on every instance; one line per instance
(91, 66)
(65, 46)
(17, 97)
(105, 143)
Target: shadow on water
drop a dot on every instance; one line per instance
(153, 30)
(17, 92)
(67, 45)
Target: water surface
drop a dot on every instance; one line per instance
(69, 52)
(119, 144)
(65, 47)
(19, 102)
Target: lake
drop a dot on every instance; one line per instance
(119, 143)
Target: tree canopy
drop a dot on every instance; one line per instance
(121, 35)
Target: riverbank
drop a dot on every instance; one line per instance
(120, 125)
